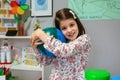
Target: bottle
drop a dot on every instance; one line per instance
(5, 52)
(2, 54)
(8, 55)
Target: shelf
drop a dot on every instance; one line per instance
(25, 67)
(22, 67)
(6, 17)
(14, 37)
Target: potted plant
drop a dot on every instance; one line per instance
(18, 9)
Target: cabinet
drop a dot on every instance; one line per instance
(6, 17)
(22, 69)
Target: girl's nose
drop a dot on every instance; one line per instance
(69, 29)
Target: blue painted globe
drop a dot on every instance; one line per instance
(57, 34)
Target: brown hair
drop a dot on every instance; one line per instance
(67, 13)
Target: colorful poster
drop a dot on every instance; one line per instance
(96, 9)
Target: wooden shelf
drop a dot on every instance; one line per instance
(22, 67)
(6, 17)
(25, 67)
(14, 37)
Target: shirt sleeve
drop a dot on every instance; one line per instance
(79, 45)
(44, 60)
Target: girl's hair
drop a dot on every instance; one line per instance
(67, 13)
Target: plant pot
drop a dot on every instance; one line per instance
(21, 30)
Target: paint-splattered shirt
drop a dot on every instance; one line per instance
(71, 58)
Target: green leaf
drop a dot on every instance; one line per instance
(24, 7)
(17, 19)
(26, 19)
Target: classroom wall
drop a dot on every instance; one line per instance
(105, 45)
(105, 39)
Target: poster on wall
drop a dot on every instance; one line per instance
(41, 8)
(96, 9)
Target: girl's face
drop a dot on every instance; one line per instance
(69, 28)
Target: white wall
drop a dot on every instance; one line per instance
(105, 44)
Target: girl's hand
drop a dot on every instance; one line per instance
(34, 46)
(35, 37)
(38, 34)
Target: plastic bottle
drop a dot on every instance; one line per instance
(5, 52)
(2, 54)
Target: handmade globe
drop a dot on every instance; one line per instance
(51, 31)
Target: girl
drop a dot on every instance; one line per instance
(71, 57)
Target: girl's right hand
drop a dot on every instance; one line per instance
(34, 46)
(38, 34)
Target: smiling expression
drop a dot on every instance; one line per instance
(69, 28)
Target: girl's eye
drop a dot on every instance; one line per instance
(71, 25)
(63, 28)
